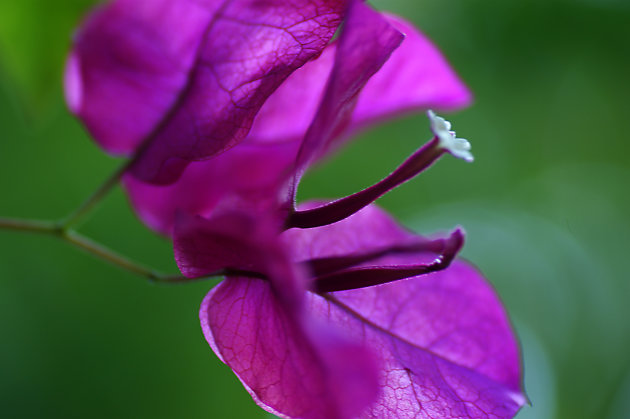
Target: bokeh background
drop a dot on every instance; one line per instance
(546, 207)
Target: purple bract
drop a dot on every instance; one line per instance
(183, 80)
(329, 310)
(439, 345)
(254, 172)
(128, 102)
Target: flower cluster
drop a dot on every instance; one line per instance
(330, 310)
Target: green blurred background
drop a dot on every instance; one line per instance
(545, 205)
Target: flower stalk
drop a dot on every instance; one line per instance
(344, 207)
(34, 226)
(63, 230)
(87, 245)
(97, 196)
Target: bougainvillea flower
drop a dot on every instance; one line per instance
(329, 310)
(439, 345)
(316, 373)
(339, 93)
(183, 79)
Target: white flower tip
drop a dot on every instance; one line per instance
(519, 398)
(441, 128)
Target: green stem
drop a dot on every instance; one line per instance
(33, 226)
(89, 204)
(63, 230)
(87, 245)
(104, 253)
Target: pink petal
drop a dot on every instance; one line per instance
(444, 340)
(231, 240)
(251, 174)
(415, 78)
(238, 241)
(289, 111)
(290, 367)
(366, 42)
(369, 229)
(281, 121)
(247, 176)
(249, 50)
(187, 76)
(129, 62)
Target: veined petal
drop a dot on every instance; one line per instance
(259, 328)
(248, 51)
(444, 338)
(290, 367)
(186, 78)
(231, 240)
(254, 173)
(129, 62)
(282, 123)
(366, 42)
(251, 174)
(367, 230)
(289, 111)
(452, 313)
(242, 241)
(248, 176)
(445, 344)
(417, 77)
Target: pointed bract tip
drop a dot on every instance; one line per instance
(460, 233)
(458, 147)
(519, 398)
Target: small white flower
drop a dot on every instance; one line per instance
(441, 128)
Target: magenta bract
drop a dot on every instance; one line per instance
(248, 176)
(130, 61)
(440, 344)
(330, 310)
(206, 82)
(292, 366)
(365, 45)
(255, 172)
(291, 376)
